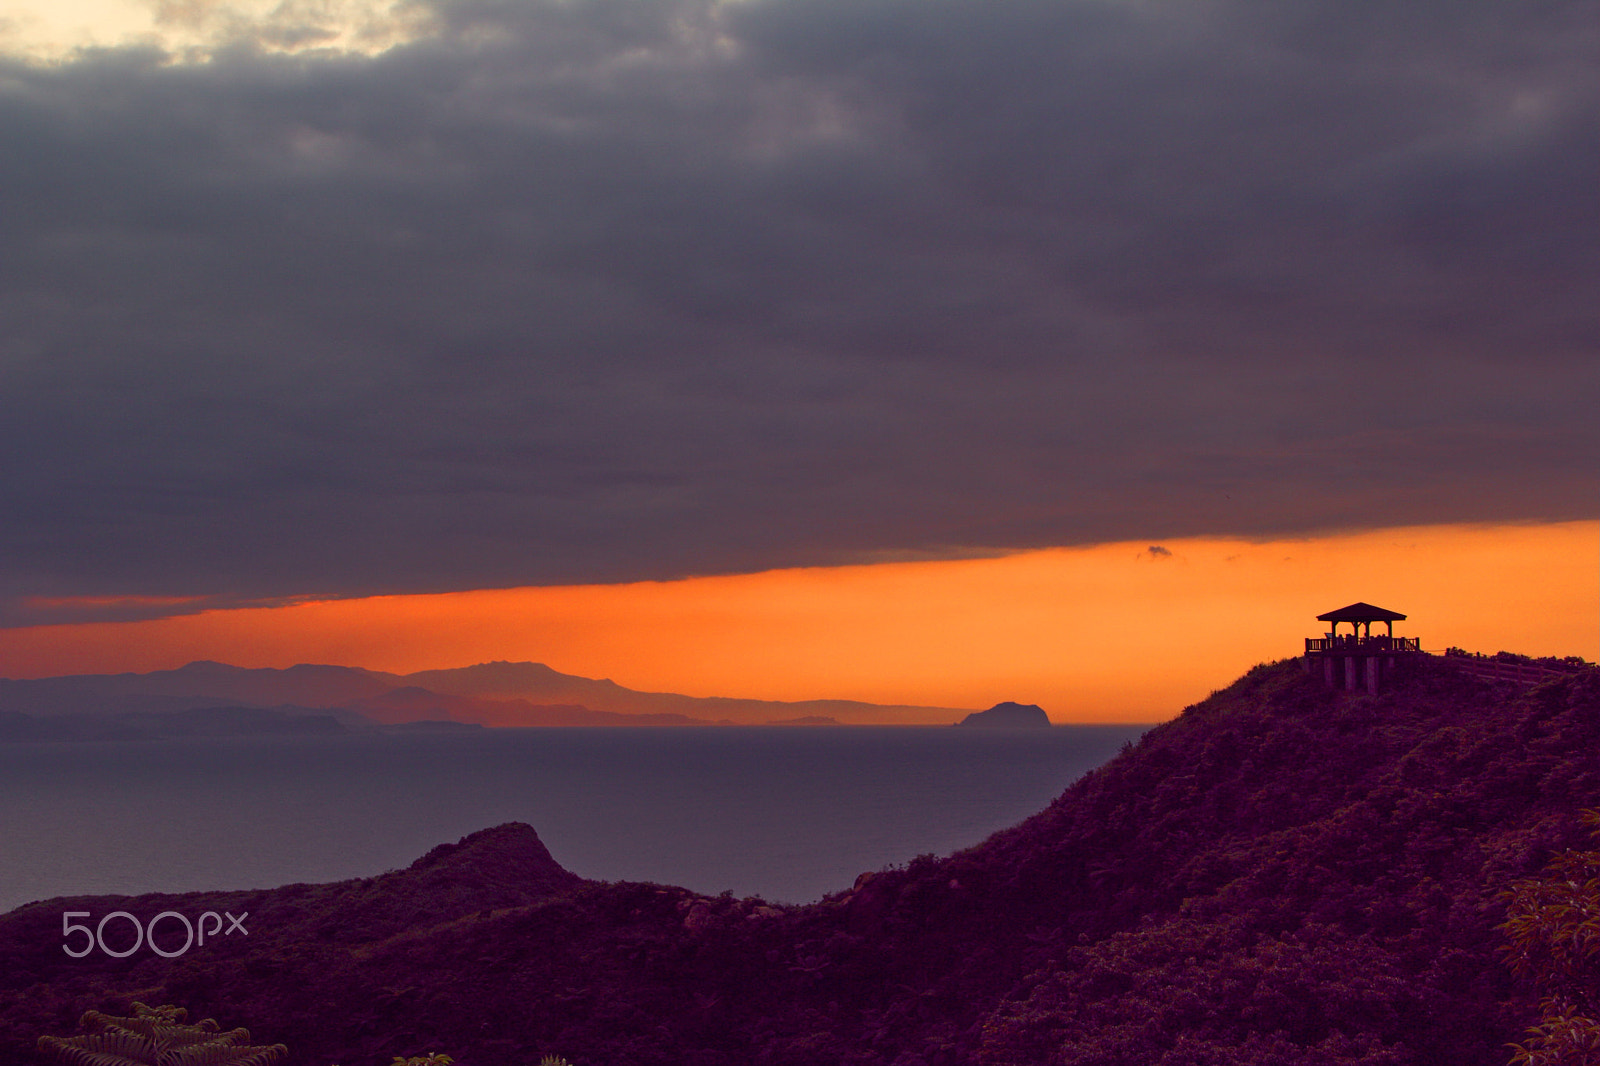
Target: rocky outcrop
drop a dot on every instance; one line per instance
(1009, 715)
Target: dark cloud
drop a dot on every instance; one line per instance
(616, 289)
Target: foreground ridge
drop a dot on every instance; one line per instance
(1286, 873)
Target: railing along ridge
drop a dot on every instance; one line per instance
(1498, 670)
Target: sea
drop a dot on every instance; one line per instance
(788, 814)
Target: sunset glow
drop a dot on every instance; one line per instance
(1118, 632)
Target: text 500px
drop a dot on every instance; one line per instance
(146, 933)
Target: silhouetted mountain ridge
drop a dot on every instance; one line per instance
(494, 694)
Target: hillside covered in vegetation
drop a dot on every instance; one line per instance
(1282, 874)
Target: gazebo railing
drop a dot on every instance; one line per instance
(1347, 643)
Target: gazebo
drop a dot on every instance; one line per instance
(1359, 659)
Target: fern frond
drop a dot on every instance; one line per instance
(157, 1037)
(225, 1055)
(177, 1036)
(166, 1013)
(102, 1049)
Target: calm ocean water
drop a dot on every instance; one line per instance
(785, 813)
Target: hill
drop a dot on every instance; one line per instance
(1282, 874)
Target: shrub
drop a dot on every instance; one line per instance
(1553, 928)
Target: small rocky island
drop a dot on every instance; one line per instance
(1009, 715)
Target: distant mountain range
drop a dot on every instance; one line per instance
(489, 694)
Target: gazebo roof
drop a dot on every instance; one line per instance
(1361, 612)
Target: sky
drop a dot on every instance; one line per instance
(309, 304)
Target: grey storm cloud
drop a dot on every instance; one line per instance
(605, 290)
